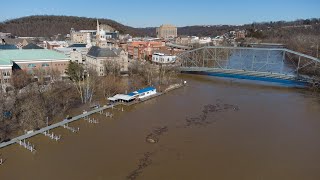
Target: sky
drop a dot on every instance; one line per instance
(152, 13)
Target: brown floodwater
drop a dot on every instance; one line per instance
(210, 129)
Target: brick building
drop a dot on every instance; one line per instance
(31, 60)
(139, 50)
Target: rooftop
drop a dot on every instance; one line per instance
(6, 56)
(167, 25)
(141, 91)
(32, 46)
(96, 51)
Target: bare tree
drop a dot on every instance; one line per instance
(7, 120)
(31, 107)
(110, 85)
(20, 79)
(112, 67)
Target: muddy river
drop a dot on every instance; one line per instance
(210, 129)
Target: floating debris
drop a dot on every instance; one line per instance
(154, 136)
(156, 133)
(202, 120)
(144, 162)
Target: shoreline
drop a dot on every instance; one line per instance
(19, 140)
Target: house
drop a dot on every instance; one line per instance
(240, 34)
(97, 59)
(160, 58)
(136, 95)
(55, 44)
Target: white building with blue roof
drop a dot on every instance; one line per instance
(136, 95)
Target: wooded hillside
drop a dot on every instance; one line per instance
(47, 26)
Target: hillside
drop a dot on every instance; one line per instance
(47, 26)
(51, 25)
(300, 35)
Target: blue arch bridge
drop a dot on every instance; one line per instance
(266, 64)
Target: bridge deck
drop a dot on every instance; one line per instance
(247, 73)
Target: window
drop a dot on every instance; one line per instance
(6, 73)
(45, 65)
(31, 66)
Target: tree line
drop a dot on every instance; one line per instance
(50, 25)
(32, 103)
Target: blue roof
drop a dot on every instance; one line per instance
(141, 91)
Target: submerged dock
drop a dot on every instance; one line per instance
(53, 126)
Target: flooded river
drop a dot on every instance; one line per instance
(210, 129)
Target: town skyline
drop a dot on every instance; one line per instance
(205, 13)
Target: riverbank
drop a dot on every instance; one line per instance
(85, 115)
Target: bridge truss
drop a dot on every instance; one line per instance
(264, 62)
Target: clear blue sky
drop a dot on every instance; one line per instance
(147, 13)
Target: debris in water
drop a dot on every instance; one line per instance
(156, 133)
